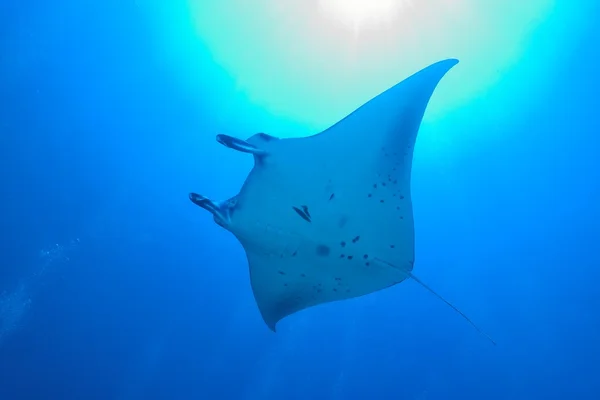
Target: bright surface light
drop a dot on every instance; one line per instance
(307, 63)
(358, 13)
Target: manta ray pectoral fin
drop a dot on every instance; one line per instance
(239, 145)
(420, 282)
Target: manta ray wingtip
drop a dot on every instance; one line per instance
(440, 67)
(450, 61)
(446, 64)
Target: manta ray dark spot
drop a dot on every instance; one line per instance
(302, 214)
(343, 244)
(323, 250)
(305, 209)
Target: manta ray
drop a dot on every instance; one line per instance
(329, 217)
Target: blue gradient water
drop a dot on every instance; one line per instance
(113, 285)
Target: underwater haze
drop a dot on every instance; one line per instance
(113, 285)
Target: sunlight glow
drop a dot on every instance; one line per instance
(301, 65)
(358, 13)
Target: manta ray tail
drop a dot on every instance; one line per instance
(420, 282)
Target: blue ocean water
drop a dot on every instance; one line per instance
(113, 285)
